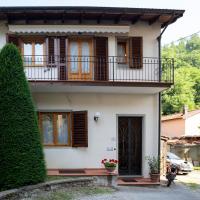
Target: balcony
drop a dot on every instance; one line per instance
(119, 71)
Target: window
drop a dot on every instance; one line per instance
(85, 51)
(55, 128)
(74, 56)
(122, 51)
(33, 51)
(80, 65)
(64, 128)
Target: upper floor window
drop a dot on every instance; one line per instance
(33, 51)
(122, 51)
(80, 62)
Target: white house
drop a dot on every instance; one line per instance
(96, 75)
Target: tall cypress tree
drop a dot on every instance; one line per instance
(21, 153)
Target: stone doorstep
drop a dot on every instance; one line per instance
(13, 193)
(137, 182)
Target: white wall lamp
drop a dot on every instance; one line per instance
(97, 116)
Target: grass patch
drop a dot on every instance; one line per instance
(196, 168)
(75, 193)
(58, 195)
(193, 186)
(95, 190)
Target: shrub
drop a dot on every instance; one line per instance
(21, 154)
(154, 164)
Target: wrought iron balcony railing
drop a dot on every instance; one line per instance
(91, 68)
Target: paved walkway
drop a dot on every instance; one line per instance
(175, 192)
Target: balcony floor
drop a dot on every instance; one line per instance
(98, 86)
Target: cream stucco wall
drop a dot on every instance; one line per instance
(102, 135)
(192, 125)
(149, 34)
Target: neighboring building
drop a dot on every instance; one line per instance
(184, 131)
(181, 124)
(95, 76)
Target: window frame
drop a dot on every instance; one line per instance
(126, 46)
(33, 41)
(79, 41)
(55, 130)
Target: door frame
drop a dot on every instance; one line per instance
(143, 116)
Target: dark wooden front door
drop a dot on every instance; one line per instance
(130, 145)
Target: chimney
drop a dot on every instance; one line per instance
(185, 111)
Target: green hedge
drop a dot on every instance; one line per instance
(21, 153)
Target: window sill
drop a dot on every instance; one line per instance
(55, 146)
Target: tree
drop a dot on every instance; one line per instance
(21, 154)
(186, 89)
(184, 92)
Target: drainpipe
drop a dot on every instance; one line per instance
(160, 74)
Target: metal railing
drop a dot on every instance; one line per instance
(92, 68)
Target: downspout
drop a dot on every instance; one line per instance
(160, 74)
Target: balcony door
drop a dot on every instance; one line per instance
(80, 61)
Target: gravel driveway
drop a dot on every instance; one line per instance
(175, 192)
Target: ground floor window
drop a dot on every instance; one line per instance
(55, 128)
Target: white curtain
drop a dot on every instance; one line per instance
(74, 57)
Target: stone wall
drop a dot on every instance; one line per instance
(34, 190)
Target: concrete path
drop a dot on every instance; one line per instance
(175, 192)
(192, 177)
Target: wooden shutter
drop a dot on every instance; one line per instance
(51, 51)
(80, 129)
(62, 54)
(136, 52)
(101, 59)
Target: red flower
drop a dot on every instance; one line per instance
(109, 161)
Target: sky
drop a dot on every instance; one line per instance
(185, 26)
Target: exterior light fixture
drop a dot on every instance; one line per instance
(97, 116)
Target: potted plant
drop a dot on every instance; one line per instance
(154, 167)
(110, 165)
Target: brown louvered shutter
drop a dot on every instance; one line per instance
(51, 51)
(136, 52)
(101, 59)
(13, 39)
(63, 49)
(80, 129)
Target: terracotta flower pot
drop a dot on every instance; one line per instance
(110, 169)
(155, 177)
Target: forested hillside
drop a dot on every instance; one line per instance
(186, 90)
